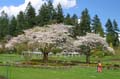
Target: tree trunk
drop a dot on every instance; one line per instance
(45, 57)
(87, 59)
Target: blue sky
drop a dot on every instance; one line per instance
(104, 8)
(10, 2)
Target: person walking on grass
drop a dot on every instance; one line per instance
(99, 67)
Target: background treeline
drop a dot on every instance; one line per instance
(47, 14)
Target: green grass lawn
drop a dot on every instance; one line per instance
(107, 59)
(71, 73)
(10, 57)
(76, 72)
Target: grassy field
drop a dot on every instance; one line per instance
(107, 59)
(76, 72)
(72, 73)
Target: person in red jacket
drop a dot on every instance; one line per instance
(99, 67)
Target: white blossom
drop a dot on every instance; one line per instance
(58, 34)
(92, 40)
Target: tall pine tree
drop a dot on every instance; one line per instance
(4, 22)
(60, 16)
(21, 21)
(111, 33)
(85, 23)
(74, 19)
(68, 20)
(30, 15)
(51, 12)
(13, 27)
(116, 33)
(44, 15)
(97, 26)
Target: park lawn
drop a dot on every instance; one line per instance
(69, 73)
(76, 72)
(105, 60)
(10, 57)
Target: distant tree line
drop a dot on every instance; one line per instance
(88, 25)
(47, 14)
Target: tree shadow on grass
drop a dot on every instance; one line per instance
(2, 77)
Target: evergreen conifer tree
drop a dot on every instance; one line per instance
(4, 23)
(21, 21)
(74, 19)
(85, 23)
(13, 27)
(30, 15)
(111, 33)
(68, 20)
(97, 26)
(44, 15)
(60, 16)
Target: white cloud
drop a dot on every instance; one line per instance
(65, 3)
(14, 10)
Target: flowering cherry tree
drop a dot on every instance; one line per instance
(44, 39)
(89, 42)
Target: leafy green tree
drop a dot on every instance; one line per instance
(97, 26)
(4, 22)
(60, 16)
(85, 23)
(30, 16)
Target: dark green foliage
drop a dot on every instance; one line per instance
(85, 23)
(75, 31)
(115, 26)
(13, 27)
(97, 26)
(56, 50)
(116, 35)
(30, 16)
(21, 21)
(4, 21)
(28, 19)
(68, 20)
(109, 27)
(47, 14)
(51, 11)
(74, 19)
(112, 33)
(86, 50)
(84, 26)
(44, 15)
(60, 16)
